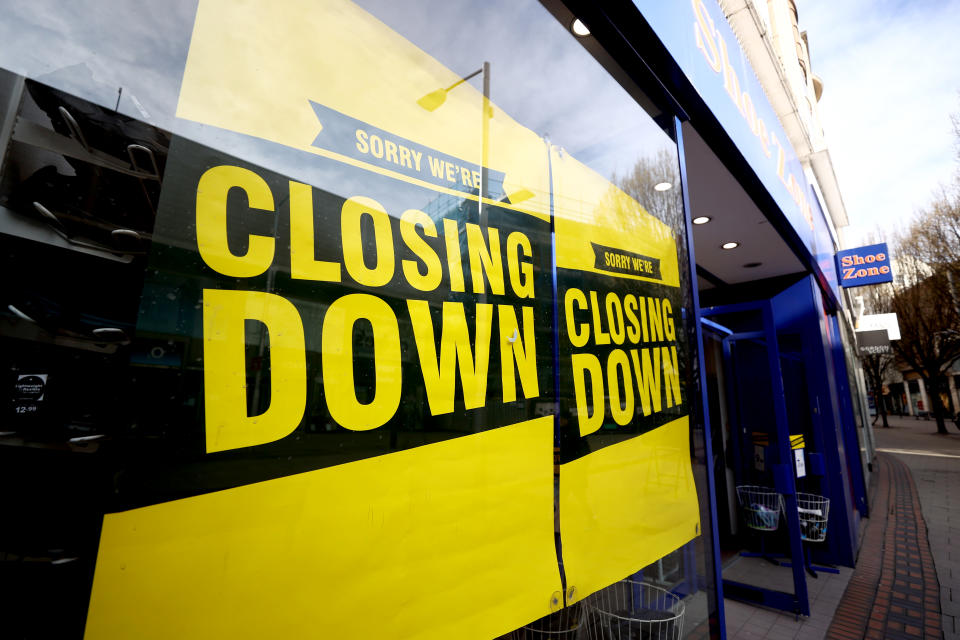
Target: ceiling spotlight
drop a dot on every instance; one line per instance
(579, 29)
(662, 186)
(752, 265)
(730, 245)
(701, 220)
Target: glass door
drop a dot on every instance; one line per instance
(761, 545)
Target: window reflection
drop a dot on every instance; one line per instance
(78, 197)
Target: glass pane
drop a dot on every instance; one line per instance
(288, 323)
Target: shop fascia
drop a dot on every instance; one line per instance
(712, 45)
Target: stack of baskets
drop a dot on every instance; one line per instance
(813, 511)
(565, 624)
(634, 610)
(626, 610)
(762, 507)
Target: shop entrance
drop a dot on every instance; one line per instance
(782, 424)
(758, 412)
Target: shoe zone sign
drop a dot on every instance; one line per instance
(864, 265)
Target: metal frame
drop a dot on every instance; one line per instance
(832, 430)
(851, 441)
(782, 465)
(801, 309)
(703, 412)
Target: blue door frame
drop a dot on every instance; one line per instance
(703, 414)
(850, 438)
(833, 464)
(782, 463)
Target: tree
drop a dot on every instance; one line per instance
(936, 233)
(640, 184)
(875, 367)
(925, 292)
(876, 299)
(925, 300)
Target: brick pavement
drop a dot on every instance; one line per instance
(906, 572)
(934, 462)
(894, 592)
(853, 613)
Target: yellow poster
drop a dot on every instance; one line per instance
(373, 462)
(447, 540)
(627, 495)
(370, 435)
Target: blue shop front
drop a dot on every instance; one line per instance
(782, 405)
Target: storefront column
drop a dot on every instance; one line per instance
(923, 394)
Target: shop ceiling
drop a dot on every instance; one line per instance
(761, 253)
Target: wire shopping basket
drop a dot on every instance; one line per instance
(761, 506)
(813, 511)
(633, 610)
(564, 624)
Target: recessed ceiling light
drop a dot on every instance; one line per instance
(730, 245)
(752, 265)
(579, 29)
(701, 220)
(663, 186)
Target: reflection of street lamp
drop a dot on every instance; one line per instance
(433, 100)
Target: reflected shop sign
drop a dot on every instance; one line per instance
(864, 265)
(880, 321)
(872, 343)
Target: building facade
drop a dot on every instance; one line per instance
(367, 319)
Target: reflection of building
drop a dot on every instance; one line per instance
(445, 205)
(476, 492)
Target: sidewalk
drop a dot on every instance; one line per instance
(934, 462)
(907, 580)
(894, 591)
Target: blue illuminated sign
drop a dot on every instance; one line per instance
(864, 265)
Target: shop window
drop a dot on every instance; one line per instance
(315, 309)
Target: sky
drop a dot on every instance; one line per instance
(891, 75)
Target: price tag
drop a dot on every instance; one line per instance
(801, 463)
(28, 393)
